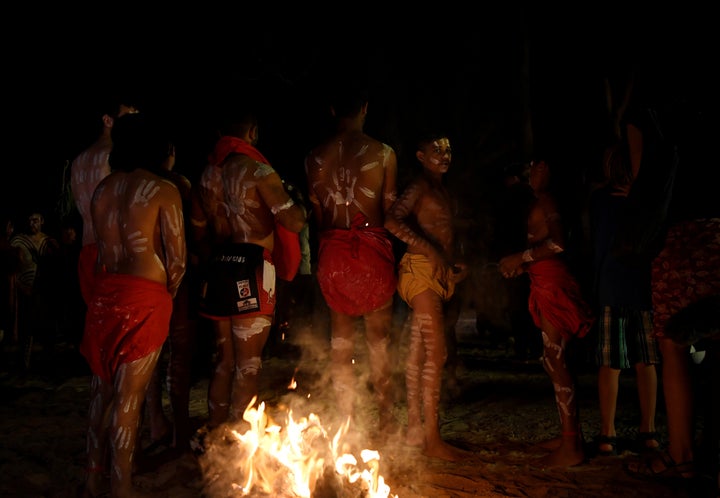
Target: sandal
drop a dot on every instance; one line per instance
(607, 441)
(648, 441)
(663, 467)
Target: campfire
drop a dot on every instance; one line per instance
(298, 458)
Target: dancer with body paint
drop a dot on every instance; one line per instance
(242, 198)
(351, 184)
(87, 170)
(138, 223)
(174, 435)
(427, 275)
(557, 306)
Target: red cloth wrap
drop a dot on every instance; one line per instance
(356, 268)
(286, 254)
(128, 318)
(556, 295)
(86, 270)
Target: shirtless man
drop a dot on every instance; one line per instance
(242, 198)
(351, 184)
(87, 170)
(176, 376)
(557, 306)
(138, 223)
(427, 274)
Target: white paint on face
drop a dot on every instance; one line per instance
(435, 160)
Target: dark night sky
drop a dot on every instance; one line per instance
(460, 68)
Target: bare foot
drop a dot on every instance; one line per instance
(550, 444)
(564, 456)
(445, 451)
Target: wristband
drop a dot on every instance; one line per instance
(527, 256)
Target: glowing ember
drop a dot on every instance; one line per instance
(293, 383)
(291, 461)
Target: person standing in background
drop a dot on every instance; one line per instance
(37, 276)
(427, 275)
(176, 372)
(686, 272)
(557, 305)
(86, 172)
(242, 198)
(623, 304)
(137, 217)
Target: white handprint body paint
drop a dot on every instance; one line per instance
(137, 242)
(176, 254)
(344, 190)
(145, 192)
(236, 188)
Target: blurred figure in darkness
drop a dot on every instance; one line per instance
(557, 307)
(511, 215)
(174, 369)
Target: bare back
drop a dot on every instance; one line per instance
(139, 225)
(351, 173)
(254, 193)
(87, 171)
(212, 200)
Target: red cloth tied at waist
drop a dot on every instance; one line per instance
(356, 268)
(556, 296)
(128, 318)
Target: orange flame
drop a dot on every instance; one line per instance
(291, 460)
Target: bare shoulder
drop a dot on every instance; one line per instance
(242, 164)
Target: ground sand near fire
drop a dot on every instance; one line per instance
(500, 411)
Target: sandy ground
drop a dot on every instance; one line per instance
(500, 411)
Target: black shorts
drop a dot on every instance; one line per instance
(239, 280)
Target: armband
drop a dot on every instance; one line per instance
(553, 246)
(282, 207)
(527, 256)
